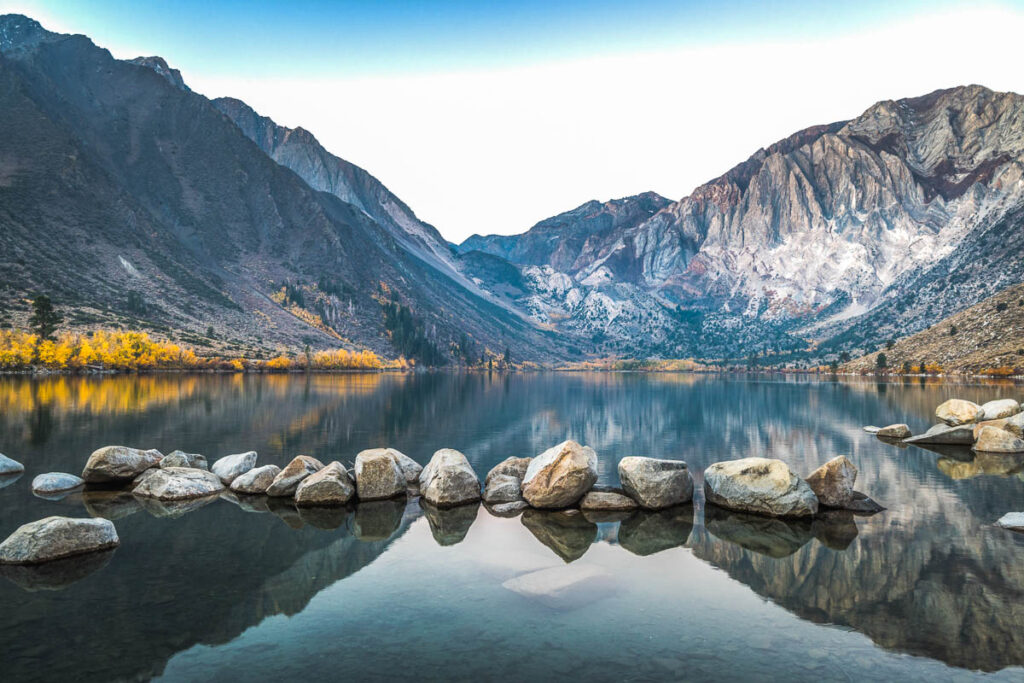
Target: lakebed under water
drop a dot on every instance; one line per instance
(928, 589)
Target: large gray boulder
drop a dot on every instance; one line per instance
(1014, 521)
(8, 466)
(255, 481)
(943, 434)
(1000, 408)
(509, 467)
(410, 468)
(503, 488)
(833, 482)
(654, 483)
(178, 483)
(759, 485)
(996, 440)
(560, 476)
(118, 463)
(378, 476)
(610, 500)
(230, 467)
(956, 411)
(1015, 425)
(449, 480)
(288, 479)
(55, 482)
(53, 538)
(330, 486)
(183, 459)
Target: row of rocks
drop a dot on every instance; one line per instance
(994, 427)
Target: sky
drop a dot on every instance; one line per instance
(487, 117)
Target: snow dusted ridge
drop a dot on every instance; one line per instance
(811, 237)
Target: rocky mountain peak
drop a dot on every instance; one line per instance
(159, 65)
(18, 32)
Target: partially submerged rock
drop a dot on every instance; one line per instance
(956, 411)
(378, 475)
(54, 538)
(288, 479)
(179, 483)
(861, 504)
(655, 483)
(55, 482)
(1014, 521)
(607, 500)
(410, 468)
(1015, 425)
(895, 431)
(559, 476)
(449, 480)
(255, 481)
(502, 488)
(9, 466)
(508, 509)
(759, 485)
(510, 467)
(1000, 408)
(230, 467)
(833, 482)
(183, 459)
(871, 429)
(118, 464)
(943, 434)
(995, 440)
(330, 486)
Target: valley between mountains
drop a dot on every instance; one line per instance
(135, 202)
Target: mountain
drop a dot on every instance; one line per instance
(986, 337)
(838, 236)
(133, 200)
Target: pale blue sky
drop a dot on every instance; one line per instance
(487, 117)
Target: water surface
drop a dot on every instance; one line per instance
(219, 589)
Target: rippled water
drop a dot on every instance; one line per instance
(928, 589)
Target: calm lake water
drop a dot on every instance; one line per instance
(929, 589)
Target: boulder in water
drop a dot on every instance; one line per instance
(230, 467)
(956, 411)
(512, 467)
(833, 482)
(449, 480)
(996, 440)
(178, 483)
(183, 459)
(1003, 407)
(288, 479)
(503, 488)
(654, 483)
(558, 477)
(118, 464)
(330, 486)
(896, 431)
(759, 485)
(943, 434)
(55, 482)
(410, 468)
(257, 480)
(9, 466)
(54, 538)
(378, 475)
(1014, 521)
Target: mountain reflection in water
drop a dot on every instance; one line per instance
(193, 583)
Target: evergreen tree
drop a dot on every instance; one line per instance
(882, 362)
(508, 358)
(44, 319)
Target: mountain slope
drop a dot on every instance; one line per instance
(123, 192)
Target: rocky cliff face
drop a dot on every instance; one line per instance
(810, 237)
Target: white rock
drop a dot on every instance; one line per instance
(230, 467)
(255, 481)
(760, 485)
(53, 538)
(449, 479)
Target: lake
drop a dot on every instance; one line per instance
(927, 590)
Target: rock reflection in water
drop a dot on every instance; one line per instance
(57, 575)
(449, 526)
(256, 504)
(982, 464)
(110, 504)
(771, 536)
(328, 518)
(173, 509)
(835, 529)
(377, 520)
(647, 532)
(8, 479)
(567, 532)
(286, 511)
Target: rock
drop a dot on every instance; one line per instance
(449, 480)
(1013, 521)
(377, 520)
(1001, 423)
(559, 476)
(378, 476)
(608, 500)
(183, 459)
(656, 484)
(871, 429)
(759, 485)
(773, 537)
(1004, 407)
(944, 434)
(230, 467)
(502, 488)
(179, 483)
(995, 440)
(55, 482)
(956, 411)
(565, 588)
(566, 532)
(58, 574)
(652, 531)
(512, 467)
(449, 525)
(54, 538)
(330, 486)
(410, 468)
(118, 463)
(255, 481)
(863, 505)
(896, 431)
(833, 482)
(288, 479)
(1015, 425)
(508, 509)
(8, 466)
